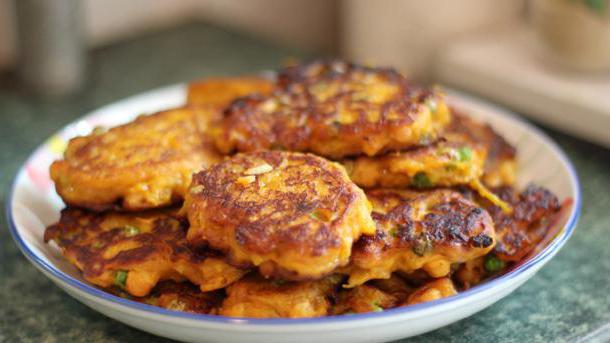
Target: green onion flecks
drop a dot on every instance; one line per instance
(120, 278)
(131, 231)
(493, 264)
(464, 154)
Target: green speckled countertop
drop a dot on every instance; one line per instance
(566, 301)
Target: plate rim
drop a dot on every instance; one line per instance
(126, 304)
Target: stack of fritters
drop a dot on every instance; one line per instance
(273, 222)
(386, 131)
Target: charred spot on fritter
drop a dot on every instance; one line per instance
(534, 203)
(293, 215)
(334, 109)
(482, 241)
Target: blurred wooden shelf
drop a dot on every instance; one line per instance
(508, 67)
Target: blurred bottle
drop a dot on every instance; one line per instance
(51, 51)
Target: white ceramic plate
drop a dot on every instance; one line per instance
(33, 204)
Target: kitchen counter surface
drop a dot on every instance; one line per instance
(566, 301)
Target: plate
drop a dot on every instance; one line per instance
(33, 204)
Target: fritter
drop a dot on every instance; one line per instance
(433, 290)
(143, 164)
(334, 109)
(467, 151)
(397, 286)
(375, 296)
(519, 232)
(256, 297)
(363, 299)
(500, 165)
(443, 163)
(460, 157)
(181, 296)
(294, 216)
(428, 230)
(134, 251)
(222, 91)
(471, 273)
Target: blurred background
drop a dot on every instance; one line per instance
(546, 58)
(388, 31)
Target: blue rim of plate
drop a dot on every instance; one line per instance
(553, 247)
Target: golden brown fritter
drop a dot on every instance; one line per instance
(397, 286)
(501, 164)
(134, 251)
(519, 232)
(433, 290)
(222, 91)
(374, 296)
(181, 296)
(471, 273)
(467, 151)
(143, 164)
(428, 230)
(256, 297)
(443, 163)
(334, 109)
(293, 215)
(460, 157)
(363, 299)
